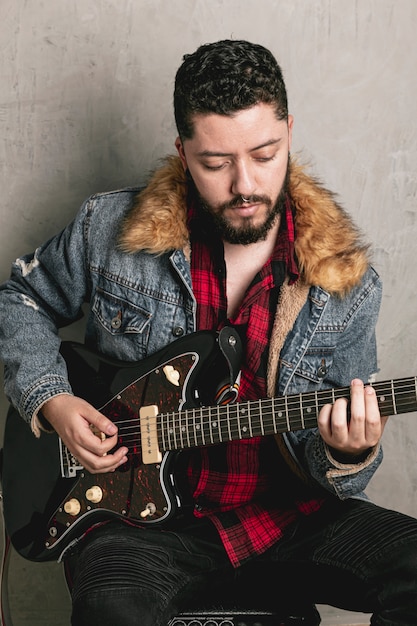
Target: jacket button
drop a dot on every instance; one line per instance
(116, 321)
(322, 370)
(178, 331)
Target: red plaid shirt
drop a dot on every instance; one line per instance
(245, 487)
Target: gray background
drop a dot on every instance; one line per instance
(86, 105)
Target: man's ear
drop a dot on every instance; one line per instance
(180, 149)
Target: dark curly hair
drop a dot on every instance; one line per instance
(225, 77)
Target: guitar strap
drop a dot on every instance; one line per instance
(230, 346)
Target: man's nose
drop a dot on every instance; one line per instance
(243, 183)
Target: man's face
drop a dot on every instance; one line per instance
(235, 157)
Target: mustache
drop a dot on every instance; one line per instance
(238, 201)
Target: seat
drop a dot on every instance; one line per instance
(240, 616)
(238, 606)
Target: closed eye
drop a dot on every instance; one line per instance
(214, 167)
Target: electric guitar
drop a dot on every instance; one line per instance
(161, 405)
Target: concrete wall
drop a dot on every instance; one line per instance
(86, 105)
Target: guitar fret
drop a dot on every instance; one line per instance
(200, 426)
(238, 423)
(273, 416)
(219, 425)
(261, 422)
(207, 425)
(415, 386)
(168, 432)
(210, 426)
(164, 423)
(181, 428)
(216, 431)
(173, 432)
(250, 423)
(203, 439)
(286, 413)
(302, 412)
(393, 397)
(161, 432)
(194, 428)
(228, 422)
(178, 431)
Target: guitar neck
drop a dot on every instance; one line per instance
(217, 424)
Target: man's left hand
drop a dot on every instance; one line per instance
(359, 432)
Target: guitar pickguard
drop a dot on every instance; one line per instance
(139, 492)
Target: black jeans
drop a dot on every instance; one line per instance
(353, 554)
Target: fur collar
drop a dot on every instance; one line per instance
(328, 245)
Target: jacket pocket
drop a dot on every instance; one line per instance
(315, 366)
(118, 316)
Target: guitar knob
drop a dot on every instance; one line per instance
(72, 507)
(94, 494)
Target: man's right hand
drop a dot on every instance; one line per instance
(74, 420)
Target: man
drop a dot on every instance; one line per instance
(231, 232)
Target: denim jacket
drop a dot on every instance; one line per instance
(134, 273)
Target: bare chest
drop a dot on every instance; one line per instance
(242, 265)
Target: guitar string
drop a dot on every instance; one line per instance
(245, 406)
(290, 404)
(214, 429)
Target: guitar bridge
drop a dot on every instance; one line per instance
(69, 464)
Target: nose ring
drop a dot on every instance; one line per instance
(245, 199)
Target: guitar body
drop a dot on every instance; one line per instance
(50, 501)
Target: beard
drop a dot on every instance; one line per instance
(246, 233)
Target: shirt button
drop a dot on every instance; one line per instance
(178, 331)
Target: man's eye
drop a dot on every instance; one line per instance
(213, 167)
(264, 159)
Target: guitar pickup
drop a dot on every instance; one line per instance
(149, 434)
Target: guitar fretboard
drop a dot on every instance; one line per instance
(210, 425)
